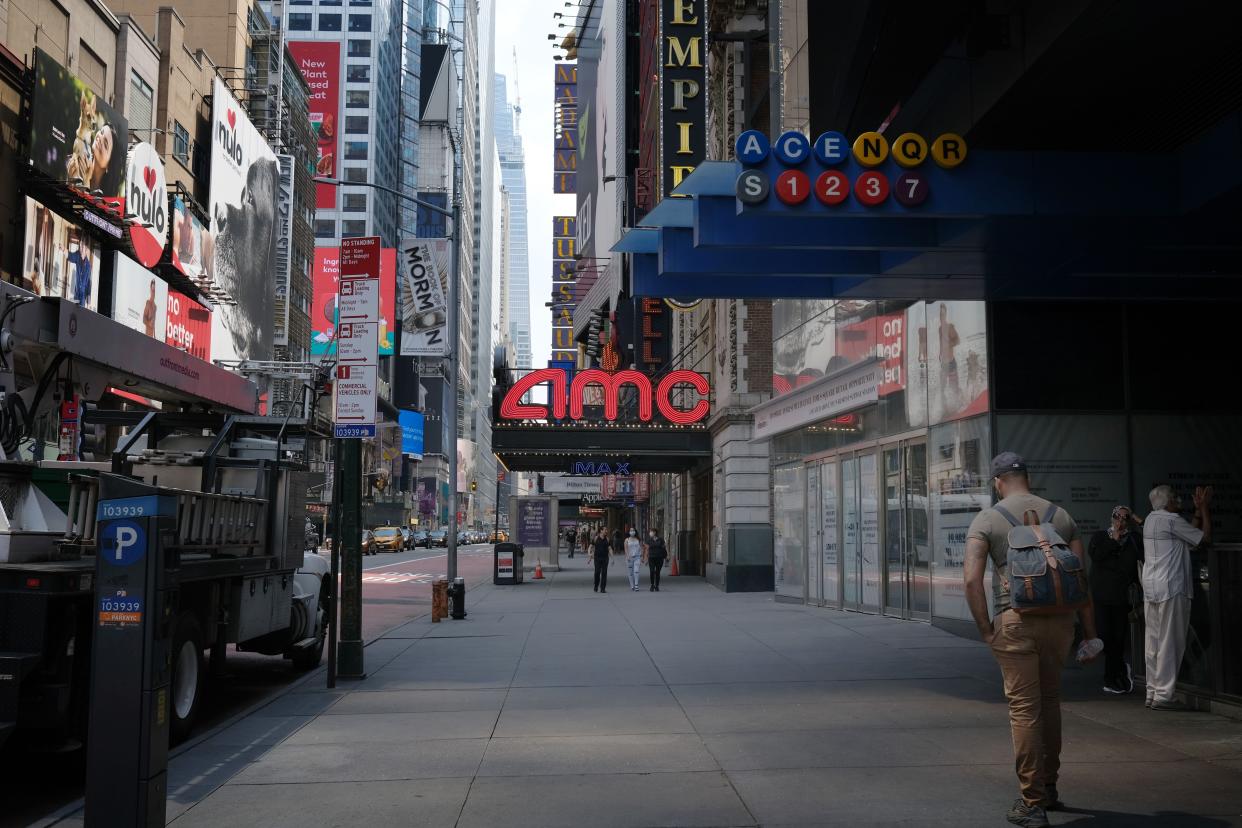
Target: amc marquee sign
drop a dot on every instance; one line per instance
(683, 132)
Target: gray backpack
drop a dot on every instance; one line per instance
(1046, 577)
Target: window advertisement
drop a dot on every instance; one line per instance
(189, 325)
(411, 433)
(325, 283)
(1076, 461)
(244, 185)
(1186, 451)
(60, 259)
(139, 298)
(189, 240)
(789, 497)
(955, 351)
(320, 64)
(75, 137)
(959, 458)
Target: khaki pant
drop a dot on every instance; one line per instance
(1031, 651)
(1165, 644)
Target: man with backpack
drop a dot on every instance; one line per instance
(1038, 583)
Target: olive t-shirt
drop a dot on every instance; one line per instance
(991, 527)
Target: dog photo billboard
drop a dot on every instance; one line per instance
(244, 184)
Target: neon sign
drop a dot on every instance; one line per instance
(571, 399)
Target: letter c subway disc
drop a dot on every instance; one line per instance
(123, 542)
(832, 187)
(871, 188)
(752, 187)
(791, 148)
(752, 147)
(909, 149)
(793, 187)
(911, 188)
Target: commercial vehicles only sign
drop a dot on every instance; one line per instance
(357, 366)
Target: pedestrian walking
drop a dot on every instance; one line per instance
(599, 554)
(571, 538)
(655, 555)
(1167, 587)
(633, 558)
(1030, 648)
(617, 538)
(1115, 553)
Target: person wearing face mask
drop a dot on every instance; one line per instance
(633, 558)
(1115, 553)
(655, 554)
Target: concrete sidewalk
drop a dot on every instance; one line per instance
(551, 705)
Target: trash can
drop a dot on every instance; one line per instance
(507, 563)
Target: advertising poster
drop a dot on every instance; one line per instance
(75, 136)
(139, 298)
(534, 522)
(320, 64)
(146, 199)
(244, 185)
(59, 258)
(189, 325)
(411, 433)
(188, 235)
(956, 357)
(424, 263)
(284, 251)
(465, 465)
(325, 284)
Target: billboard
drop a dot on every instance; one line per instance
(424, 263)
(320, 64)
(564, 295)
(411, 433)
(189, 325)
(565, 100)
(59, 259)
(284, 251)
(188, 236)
(75, 137)
(465, 464)
(325, 280)
(146, 199)
(139, 298)
(244, 185)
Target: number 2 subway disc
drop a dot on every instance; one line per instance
(832, 187)
(793, 187)
(911, 189)
(871, 188)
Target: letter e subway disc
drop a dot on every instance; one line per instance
(832, 187)
(871, 188)
(793, 187)
(831, 148)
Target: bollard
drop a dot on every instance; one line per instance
(457, 598)
(439, 600)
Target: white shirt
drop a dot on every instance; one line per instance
(1167, 541)
(633, 548)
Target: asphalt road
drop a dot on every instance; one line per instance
(396, 586)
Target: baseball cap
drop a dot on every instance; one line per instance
(1006, 462)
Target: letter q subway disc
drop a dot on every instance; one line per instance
(832, 187)
(871, 188)
(909, 149)
(793, 187)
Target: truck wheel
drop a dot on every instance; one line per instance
(186, 687)
(309, 658)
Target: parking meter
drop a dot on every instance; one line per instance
(127, 747)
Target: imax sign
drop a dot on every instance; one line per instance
(602, 467)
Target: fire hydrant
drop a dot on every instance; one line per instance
(439, 600)
(457, 596)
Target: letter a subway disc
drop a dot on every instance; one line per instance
(752, 147)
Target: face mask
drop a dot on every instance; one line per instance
(633, 534)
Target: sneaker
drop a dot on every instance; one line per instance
(1052, 801)
(1168, 704)
(1147, 703)
(1128, 681)
(1111, 687)
(1028, 816)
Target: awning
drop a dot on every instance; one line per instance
(580, 448)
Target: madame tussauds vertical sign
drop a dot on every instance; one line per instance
(683, 104)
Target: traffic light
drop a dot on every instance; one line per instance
(474, 485)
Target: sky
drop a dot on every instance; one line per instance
(525, 26)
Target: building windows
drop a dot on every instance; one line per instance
(357, 124)
(329, 22)
(141, 97)
(181, 143)
(354, 227)
(358, 73)
(356, 175)
(299, 21)
(357, 99)
(359, 48)
(92, 69)
(325, 229)
(360, 22)
(355, 203)
(356, 150)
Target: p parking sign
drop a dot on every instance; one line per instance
(123, 542)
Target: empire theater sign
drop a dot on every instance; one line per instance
(684, 111)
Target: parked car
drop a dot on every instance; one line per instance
(421, 538)
(388, 539)
(368, 542)
(407, 537)
(438, 537)
(498, 536)
(463, 538)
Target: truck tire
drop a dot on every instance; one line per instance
(309, 658)
(188, 675)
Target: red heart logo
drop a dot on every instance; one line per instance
(148, 176)
(232, 119)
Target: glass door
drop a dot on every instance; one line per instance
(869, 535)
(907, 544)
(895, 598)
(851, 552)
(919, 550)
(830, 529)
(789, 530)
(814, 537)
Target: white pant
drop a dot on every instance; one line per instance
(633, 565)
(1167, 623)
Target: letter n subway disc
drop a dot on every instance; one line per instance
(871, 188)
(793, 187)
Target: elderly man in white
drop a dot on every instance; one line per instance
(1168, 586)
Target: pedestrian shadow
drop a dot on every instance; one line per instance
(1108, 819)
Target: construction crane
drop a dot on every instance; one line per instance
(517, 97)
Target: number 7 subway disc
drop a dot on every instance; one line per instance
(871, 188)
(832, 187)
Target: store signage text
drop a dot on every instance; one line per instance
(682, 84)
(573, 397)
(820, 400)
(146, 201)
(565, 161)
(601, 467)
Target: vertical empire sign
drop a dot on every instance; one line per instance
(683, 105)
(564, 295)
(565, 161)
(356, 337)
(284, 248)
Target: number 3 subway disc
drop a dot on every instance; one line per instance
(832, 187)
(871, 188)
(793, 187)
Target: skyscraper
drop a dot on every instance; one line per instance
(513, 175)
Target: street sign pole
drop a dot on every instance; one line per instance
(453, 302)
(350, 664)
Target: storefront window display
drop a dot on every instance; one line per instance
(959, 488)
(789, 506)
